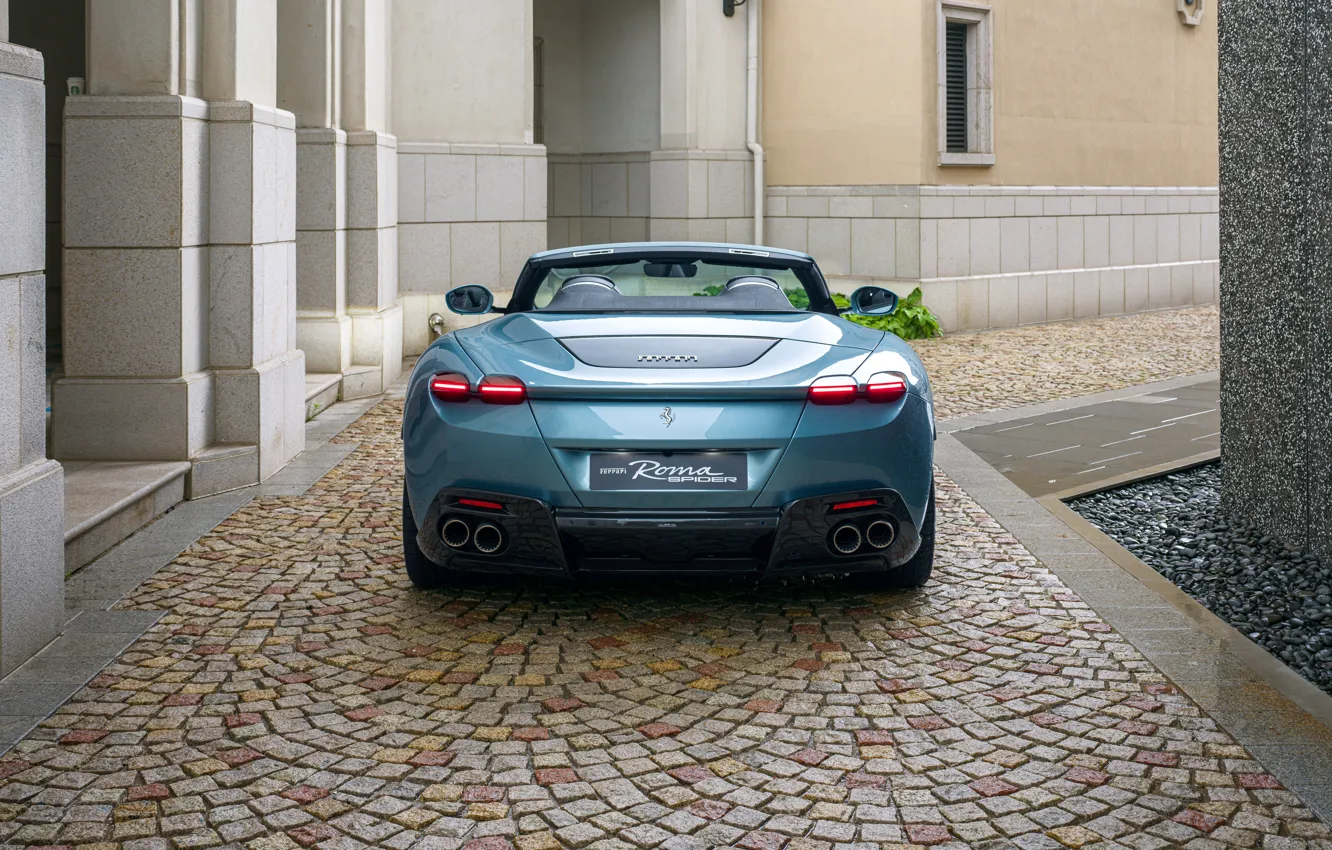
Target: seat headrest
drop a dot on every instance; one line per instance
(591, 280)
(751, 280)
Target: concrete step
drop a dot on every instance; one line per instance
(321, 391)
(107, 501)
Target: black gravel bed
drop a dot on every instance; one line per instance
(1279, 597)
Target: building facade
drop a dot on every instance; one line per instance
(222, 213)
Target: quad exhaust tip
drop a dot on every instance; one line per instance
(846, 539)
(456, 533)
(488, 538)
(880, 534)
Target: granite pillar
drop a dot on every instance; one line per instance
(32, 499)
(1276, 267)
(308, 79)
(180, 236)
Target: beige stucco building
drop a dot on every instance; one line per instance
(218, 215)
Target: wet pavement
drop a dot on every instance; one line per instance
(1079, 446)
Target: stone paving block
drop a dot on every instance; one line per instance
(339, 707)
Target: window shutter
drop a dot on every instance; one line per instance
(956, 83)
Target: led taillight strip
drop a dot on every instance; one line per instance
(882, 388)
(493, 389)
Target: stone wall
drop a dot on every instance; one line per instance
(1276, 238)
(996, 256)
(695, 195)
(467, 214)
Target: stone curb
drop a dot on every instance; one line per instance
(1127, 478)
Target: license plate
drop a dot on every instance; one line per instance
(678, 471)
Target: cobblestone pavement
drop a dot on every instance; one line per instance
(299, 693)
(994, 370)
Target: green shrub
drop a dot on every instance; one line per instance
(911, 319)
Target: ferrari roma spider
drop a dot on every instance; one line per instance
(667, 408)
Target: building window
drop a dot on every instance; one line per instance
(955, 94)
(966, 95)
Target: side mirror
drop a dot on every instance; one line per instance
(470, 300)
(873, 301)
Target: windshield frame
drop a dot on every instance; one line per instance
(802, 266)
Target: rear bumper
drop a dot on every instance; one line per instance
(791, 540)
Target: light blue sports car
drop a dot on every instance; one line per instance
(665, 408)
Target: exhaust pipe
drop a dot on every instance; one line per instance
(846, 539)
(488, 538)
(880, 534)
(455, 533)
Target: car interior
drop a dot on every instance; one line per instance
(668, 285)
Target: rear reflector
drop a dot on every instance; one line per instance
(501, 389)
(481, 503)
(859, 503)
(450, 387)
(885, 387)
(833, 390)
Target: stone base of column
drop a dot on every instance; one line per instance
(132, 418)
(327, 343)
(264, 406)
(32, 561)
(376, 351)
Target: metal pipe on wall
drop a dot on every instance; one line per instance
(751, 121)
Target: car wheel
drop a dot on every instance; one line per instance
(424, 573)
(915, 572)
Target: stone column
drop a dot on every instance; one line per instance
(1276, 275)
(372, 201)
(308, 80)
(179, 309)
(32, 497)
(260, 373)
(138, 383)
(471, 184)
(702, 173)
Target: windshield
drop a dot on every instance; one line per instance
(671, 278)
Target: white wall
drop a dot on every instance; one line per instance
(462, 71)
(602, 74)
(722, 58)
(559, 24)
(621, 76)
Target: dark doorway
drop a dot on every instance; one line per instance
(57, 28)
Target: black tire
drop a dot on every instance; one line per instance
(915, 572)
(424, 573)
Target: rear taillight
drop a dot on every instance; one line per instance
(833, 390)
(450, 387)
(493, 389)
(501, 389)
(885, 388)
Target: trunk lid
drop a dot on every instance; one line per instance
(650, 387)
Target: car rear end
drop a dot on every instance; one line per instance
(574, 444)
